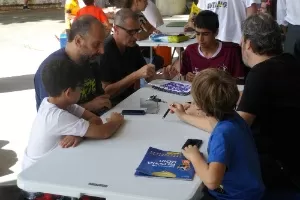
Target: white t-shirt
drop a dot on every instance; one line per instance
(49, 125)
(153, 15)
(231, 15)
(288, 12)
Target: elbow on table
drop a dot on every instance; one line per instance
(106, 134)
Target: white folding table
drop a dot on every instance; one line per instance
(167, 30)
(105, 168)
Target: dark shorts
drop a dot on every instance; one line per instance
(44, 196)
(292, 36)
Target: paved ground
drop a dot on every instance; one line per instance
(27, 37)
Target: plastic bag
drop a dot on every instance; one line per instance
(194, 11)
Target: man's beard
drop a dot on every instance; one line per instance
(84, 59)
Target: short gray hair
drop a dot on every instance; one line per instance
(82, 25)
(264, 34)
(124, 14)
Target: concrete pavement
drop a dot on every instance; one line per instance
(27, 38)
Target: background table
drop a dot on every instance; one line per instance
(105, 168)
(168, 30)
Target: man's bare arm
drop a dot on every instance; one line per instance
(148, 29)
(115, 88)
(252, 10)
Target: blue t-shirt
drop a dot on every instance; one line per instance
(231, 143)
(91, 87)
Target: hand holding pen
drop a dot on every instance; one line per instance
(176, 108)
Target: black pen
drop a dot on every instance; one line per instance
(166, 113)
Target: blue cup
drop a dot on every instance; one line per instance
(63, 39)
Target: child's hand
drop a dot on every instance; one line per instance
(190, 76)
(191, 153)
(70, 141)
(96, 120)
(116, 117)
(178, 109)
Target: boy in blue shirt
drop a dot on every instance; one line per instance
(232, 170)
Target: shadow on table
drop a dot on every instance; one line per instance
(8, 158)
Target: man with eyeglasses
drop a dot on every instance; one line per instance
(210, 52)
(122, 64)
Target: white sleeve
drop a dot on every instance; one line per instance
(281, 12)
(249, 3)
(202, 4)
(69, 124)
(76, 110)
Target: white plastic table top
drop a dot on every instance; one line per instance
(105, 168)
(133, 102)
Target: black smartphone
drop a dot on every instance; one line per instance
(193, 142)
(133, 112)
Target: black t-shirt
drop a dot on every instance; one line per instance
(115, 66)
(272, 94)
(91, 88)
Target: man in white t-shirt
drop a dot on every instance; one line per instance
(59, 117)
(231, 15)
(153, 15)
(288, 16)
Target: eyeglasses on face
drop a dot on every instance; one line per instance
(131, 32)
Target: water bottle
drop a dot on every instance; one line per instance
(63, 39)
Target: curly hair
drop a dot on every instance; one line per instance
(264, 34)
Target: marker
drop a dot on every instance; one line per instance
(167, 112)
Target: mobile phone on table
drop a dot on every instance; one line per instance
(133, 112)
(193, 142)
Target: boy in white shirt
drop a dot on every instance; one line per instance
(59, 116)
(231, 15)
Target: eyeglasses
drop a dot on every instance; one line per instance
(131, 32)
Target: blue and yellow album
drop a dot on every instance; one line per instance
(167, 164)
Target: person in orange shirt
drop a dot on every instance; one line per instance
(91, 9)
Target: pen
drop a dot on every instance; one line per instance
(166, 113)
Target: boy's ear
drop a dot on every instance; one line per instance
(67, 92)
(217, 32)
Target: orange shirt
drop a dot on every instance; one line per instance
(94, 11)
